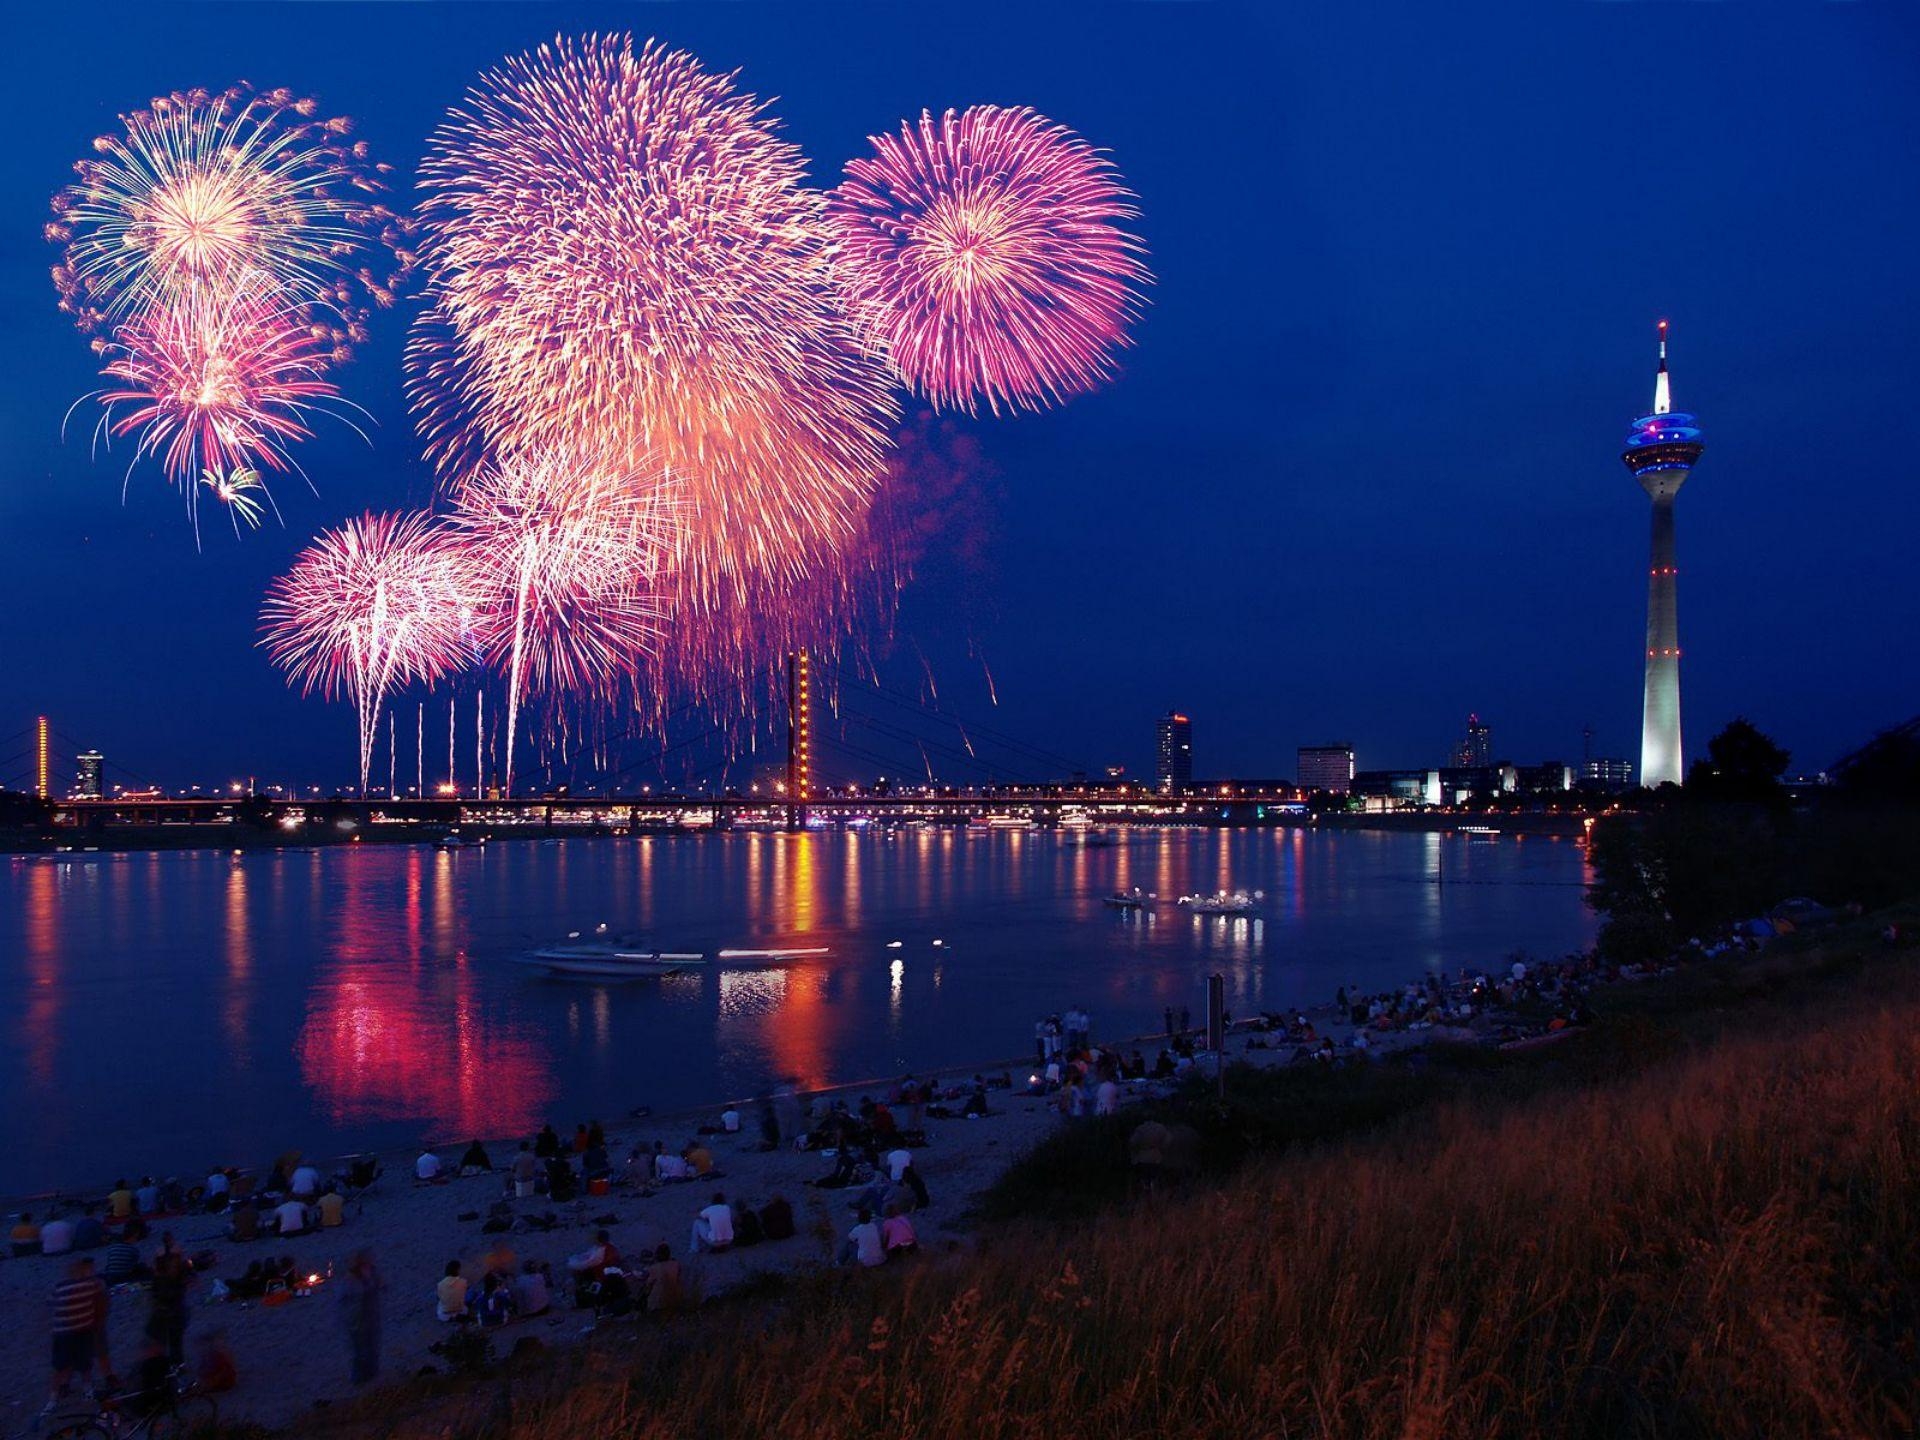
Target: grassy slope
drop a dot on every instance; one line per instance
(1699, 1220)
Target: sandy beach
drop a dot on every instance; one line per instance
(294, 1355)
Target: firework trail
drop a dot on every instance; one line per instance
(215, 380)
(235, 489)
(208, 188)
(368, 607)
(623, 260)
(557, 558)
(986, 257)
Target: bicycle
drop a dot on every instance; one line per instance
(175, 1413)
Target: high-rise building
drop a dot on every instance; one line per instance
(1661, 453)
(1326, 768)
(1474, 750)
(90, 782)
(1607, 772)
(1173, 751)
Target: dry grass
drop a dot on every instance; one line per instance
(1724, 1244)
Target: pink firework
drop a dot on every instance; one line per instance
(558, 556)
(365, 609)
(215, 380)
(624, 259)
(986, 257)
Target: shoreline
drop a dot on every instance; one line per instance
(293, 1356)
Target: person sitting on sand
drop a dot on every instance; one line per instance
(664, 1289)
(977, 1101)
(730, 1121)
(531, 1294)
(499, 1259)
(698, 1156)
(426, 1169)
(251, 1285)
(863, 1244)
(896, 1231)
(290, 1217)
(243, 1222)
(595, 1164)
(122, 1264)
(581, 1140)
(88, 1232)
(526, 1169)
(475, 1161)
(146, 1200)
(450, 1295)
(120, 1201)
(495, 1307)
(561, 1184)
(25, 1236)
(590, 1265)
(546, 1144)
(713, 1226)
(304, 1182)
(776, 1219)
(56, 1237)
(746, 1224)
(668, 1166)
(218, 1189)
(331, 1208)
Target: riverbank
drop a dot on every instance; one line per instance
(292, 1358)
(1693, 1221)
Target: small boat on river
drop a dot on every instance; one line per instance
(768, 959)
(608, 960)
(1222, 902)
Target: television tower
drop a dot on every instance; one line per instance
(1661, 453)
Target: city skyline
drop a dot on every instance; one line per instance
(1278, 601)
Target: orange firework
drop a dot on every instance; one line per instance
(624, 260)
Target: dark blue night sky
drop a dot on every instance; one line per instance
(1360, 475)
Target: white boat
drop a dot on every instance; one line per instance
(1223, 902)
(606, 960)
(749, 959)
(454, 842)
(1134, 899)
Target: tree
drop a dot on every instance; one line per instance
(1669, 874)
(1743, 764)
(1885, 769)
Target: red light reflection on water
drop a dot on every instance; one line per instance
(395, 1029)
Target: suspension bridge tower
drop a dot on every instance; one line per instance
(799, 738)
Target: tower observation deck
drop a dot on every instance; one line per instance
(1661, 451)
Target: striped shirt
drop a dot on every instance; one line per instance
(76, 1305)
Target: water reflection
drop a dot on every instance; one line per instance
(366, 996)
(396, 1031)
(40, 1015)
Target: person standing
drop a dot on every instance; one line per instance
(360, 1291)
(167, 1317)
(79, 1302)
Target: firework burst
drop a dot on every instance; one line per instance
(207, 188)
(624, 260)
(368, 607)
(557, 556)
(986, 257)
(216, 380)
(237, 489)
